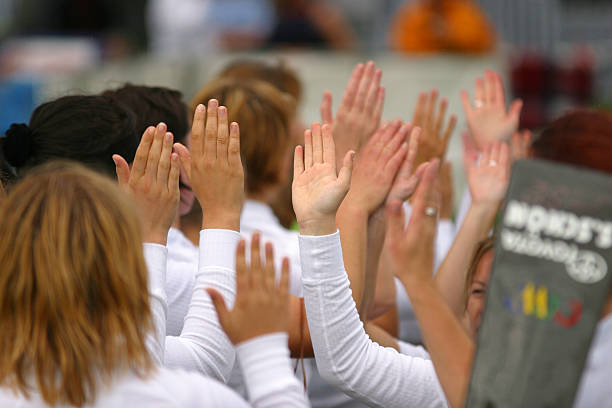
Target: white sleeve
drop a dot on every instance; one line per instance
(155, 256)
(411, 350)
(464, 206)
(346, 357)
(267, 372)
(203, 346)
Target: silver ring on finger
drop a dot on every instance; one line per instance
(430, 211)
(492, 163)
(478, 103)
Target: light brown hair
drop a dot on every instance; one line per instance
(482, 248)
(74, 304)
(264, 114)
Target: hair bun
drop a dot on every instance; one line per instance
(17, 145)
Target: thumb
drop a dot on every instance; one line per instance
(220, 307)
(185, 158)
(344, 175)
(395, 221)
(515, 109)
(326, 108)
(122, 169)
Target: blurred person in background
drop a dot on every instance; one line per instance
(316, 23)
(441, 25)
(119, 27)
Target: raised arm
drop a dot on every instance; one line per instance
(487, 183)
(217, 178)
(257, 325)
(412, 256)
(152, 182)
(346, 357)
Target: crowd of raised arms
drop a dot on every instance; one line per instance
(147, 259)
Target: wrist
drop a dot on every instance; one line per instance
(227, 220)
(156, 237)
(318, 226)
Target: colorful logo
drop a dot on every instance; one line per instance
(538, 302)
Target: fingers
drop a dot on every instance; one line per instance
(298, 161)
(219, 304)
(400, 136)
(122, 169)
(429, 110)
(406, 169)
(344, 175)
(317, 144)
(329, 148)
(307, 149)
(242, 274)
(283, 286)
(440, 118)
(515, 109)
(326, 108)
(470, 155)
(352, 87)
(395, 221)
(372, 95)
(210, 138)
(500, 93)
(255, 257)
(419, 110)
(269, 275)
(388, 133)
(392, 165)
(155, 152)
(479, 93)
(233, 148)
(222, 142)
(163, 168)
(489, 87)
(364, 86)
(175, 172)
(379, 104)
(184, 157)
(427, 192)
(494, 154)
(197, 131)
(142, 152)
(447, 134)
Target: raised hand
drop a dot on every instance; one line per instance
(488, 119)
(411, 249)
(434, 141)
(377, 166)
(489, 180)
(317, 190)
(261, 307)
(446, 191)
(406, 181)
(214, 167)
(359, 114)
(152, 182)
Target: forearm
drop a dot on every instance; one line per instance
(379, 288)
(346, 357)
(449, 346)
(203, 345)
(352, 222)
(381, 336)
(384, 292)
(450, 279)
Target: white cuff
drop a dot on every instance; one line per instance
(321, 256)
(218, 249)
(156, 256)
(265, 364)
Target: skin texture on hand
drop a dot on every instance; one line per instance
(434, 141)
(360, 111)
(411, 252)
(317, 190)
(261, 307)
(152, 182)
(488, 118)
(446, 191)
(214, 167)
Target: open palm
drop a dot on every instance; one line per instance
(489, 180)
(317, 190)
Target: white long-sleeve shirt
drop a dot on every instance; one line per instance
(345, 355)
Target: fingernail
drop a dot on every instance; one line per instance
(161, 126)
(114, 160)
(404, 145)
(168, 137)
(151, 130)
(213, 103)
(234, 126)
(222, 111)
(200, 108)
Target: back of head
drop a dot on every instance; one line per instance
(73, 285)
(87, 129)
(278, 75)
(581, 138)
(264, 114)
(153, 105)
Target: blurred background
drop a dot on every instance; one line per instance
(555, 54)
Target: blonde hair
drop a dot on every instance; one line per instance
(482, 248)
(74, 304)
(264, 114)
